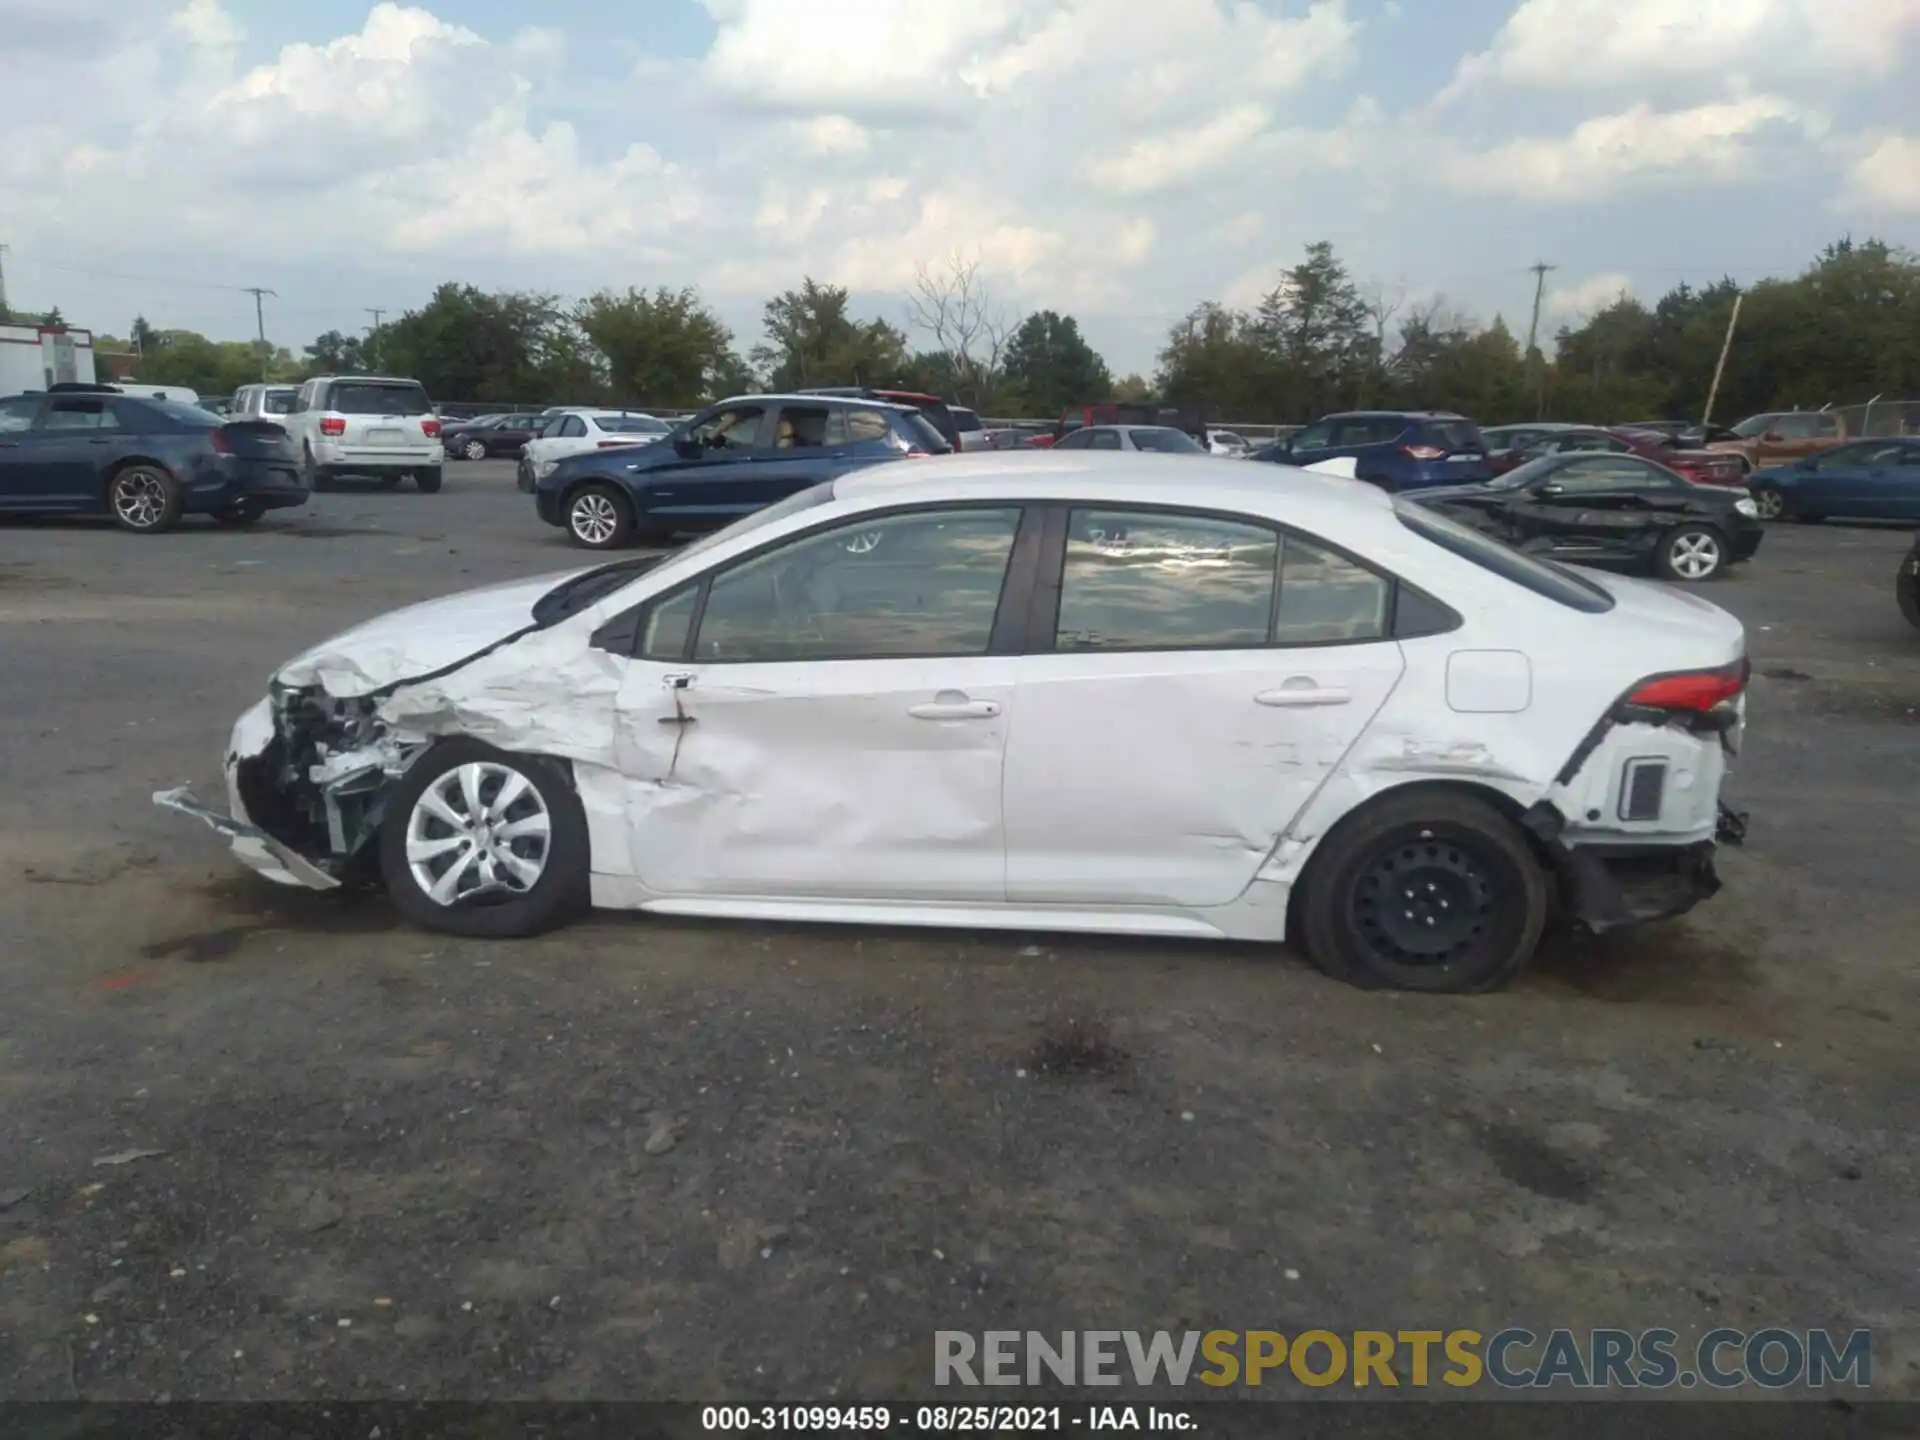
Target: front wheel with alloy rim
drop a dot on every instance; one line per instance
(475, 450)
(1770, 501)
(1691, 553)
(479, 841)
(599, 517)
(144, 499)
(1431, 890)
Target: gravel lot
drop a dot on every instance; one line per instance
(661, 1158)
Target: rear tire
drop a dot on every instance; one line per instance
(316, 482)
(1906, 588)
(599, 517)
(428, 480)
(1431, 890)
(144, 499)
(1691, 555)
(242, 514)
(493, 884)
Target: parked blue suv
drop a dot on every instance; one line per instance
(1394, 449)
(727, 461)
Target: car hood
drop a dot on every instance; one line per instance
(419, 639)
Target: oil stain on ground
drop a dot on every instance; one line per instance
(263, 907)
(1072, 1047)
(1532, 1164)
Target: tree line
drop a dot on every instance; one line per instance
(1845, 329)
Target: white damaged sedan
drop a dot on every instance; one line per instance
(1055, 694)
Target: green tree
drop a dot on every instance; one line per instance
(207, 367)
(664, 349)
(1317, 329)
(470, 344)
(812, 340)
(1048, 366)
(1217, 360)
(336, 354)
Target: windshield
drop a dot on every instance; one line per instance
(1522, 476)
(378, 397)
(632, 425)
(1755, 425)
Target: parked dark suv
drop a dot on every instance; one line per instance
(724, 462)
(1394, 449)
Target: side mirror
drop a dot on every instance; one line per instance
(686, 445)
(1550, 489)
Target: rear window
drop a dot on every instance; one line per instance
(631, 425)
(278, 402)
(379, 397)
(1542, 577)
(1167, 441)
(178, 411)
(964, 419)
(1457, 434)
(922, 432)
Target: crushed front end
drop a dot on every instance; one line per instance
(307, 779)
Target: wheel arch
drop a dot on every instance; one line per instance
(1509, 807)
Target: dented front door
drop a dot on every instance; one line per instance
(845, 779)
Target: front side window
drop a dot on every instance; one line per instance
(17, 414)
(1313, 437)
(572, 427)
(1795, 427)
(1078, 440)
(1167, 441)
(668, 624)
(735, 428)
(1103, 439)
(1827, 427)
(1608, 474)
(925, 583)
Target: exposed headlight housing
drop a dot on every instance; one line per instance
(1746, 507)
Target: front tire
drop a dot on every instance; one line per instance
(475, 450)
(428, 480)
(1434, 891)
(1691, 555)
(482, 842)
(1770, 501)
(599, 517)
(144, 499)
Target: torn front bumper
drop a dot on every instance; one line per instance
(306, 787)
(252, 845)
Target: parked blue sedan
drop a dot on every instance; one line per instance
(94, 450)
(1868, 479)
(727, 461)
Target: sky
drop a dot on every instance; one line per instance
(1117, 160)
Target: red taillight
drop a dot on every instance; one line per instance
(333, 424)
(222, 442)
(614, 444)
(918, 454)
(431, 427)
(1425, 452)
(1698, 690)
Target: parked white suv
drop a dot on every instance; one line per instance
(574, 431)
(271, 403)
(380, 426)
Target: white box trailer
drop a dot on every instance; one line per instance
(32, 357)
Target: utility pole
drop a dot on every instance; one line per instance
(1720, 369)
(1540, 269)
(4, 312)
(373, 338)
(260, 319)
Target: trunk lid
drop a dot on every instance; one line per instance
(1701, 633)
(258, 440)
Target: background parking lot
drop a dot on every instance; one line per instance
(647, 1157)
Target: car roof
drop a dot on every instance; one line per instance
(370, 379)
(1301, 497)
(1394, 415)
(814, 397)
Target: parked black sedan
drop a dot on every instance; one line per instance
(1610, 509)
(91, 450)
(489, 436)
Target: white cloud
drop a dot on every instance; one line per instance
(1181, 155)
(1583, 297)
(1887, 177)
(1710, 143)
(1588, 44)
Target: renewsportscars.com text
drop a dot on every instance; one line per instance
(1514, 1358)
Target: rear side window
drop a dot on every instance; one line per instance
(1145, 581)
(379, 397)
(1167, 441)
(859, 427)
(62, 414)
(922, 432)
(278, 402)
(964, 419)
(1542, 577)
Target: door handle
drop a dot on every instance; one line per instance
(100, 442)
(1303, 696)
(952, 705)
